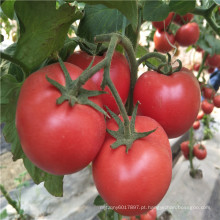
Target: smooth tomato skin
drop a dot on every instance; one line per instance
(184, 146)
(200, 115)
(183, 19)
(161, 43)
(196, 125)
(199, 151)
(134, 178)
(216, 101)
(213, 61)
(160, 24)
(119, 74)
(211, 69)
(187, 34)
(207, 107)
(208, 92)
(173, 100)
(59, 139)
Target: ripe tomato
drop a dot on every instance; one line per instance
(183, 19)
(208, 92)
(196, 66)
(173, 100)
(211, 69)
(187, 34)
(200, 115)
(213, 61)
(161, 43)
(216, 101)
(160, 24)
(199, 49)
(207, 107)
(151, 215)
(199, 151)
(196, 125)
(184, 146)
(119, 74)
(59, 139)
(134, 179)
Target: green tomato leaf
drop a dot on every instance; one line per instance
(99, 201)
(10, 89)
(128, 8)
(8, 8)
(43, 30)
(141, 51)
(3, 214)
(156, 10)
(217, 2)
(99, 19)
(183, 6)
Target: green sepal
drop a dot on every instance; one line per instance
(99, 201)
(71, 93)
(121, 137)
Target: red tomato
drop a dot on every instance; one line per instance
(211, 69)
(119, 74)
(187, 34)
(198, 49)
(216, 101)
(161, 43)
(59, 139)
(208, 92)
(213, 61)
(151, 215)
(200, 115)
(183, 19)
(184, 146)
(173, 100)
(199, 151)
(196, 66)
(160, 24)
(132, 182)
(207, 107)
(196, 125)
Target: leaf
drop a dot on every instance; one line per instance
(156, 10)
(3, 214)
(217, 2)
(43, 30)
(8, 8)
(127, 8)
(99, 19)
(141, 51)
(99, 201)
(182, 7)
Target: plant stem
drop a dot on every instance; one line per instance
(125, 42)
(150, 55)
(12, 202)
(192, 170)
(202, 64)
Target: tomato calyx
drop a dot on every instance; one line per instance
(126, 134)
(73, 93)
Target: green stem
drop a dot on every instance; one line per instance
(192, 170)
(16, 62)
(202, 64)
(206, 13)
(12, 202)
(150, 55)
(125, 42)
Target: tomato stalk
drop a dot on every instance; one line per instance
(202, 64)
(192, 170)
(207, 14)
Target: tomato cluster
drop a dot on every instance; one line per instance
(199, 150)
(186, 35)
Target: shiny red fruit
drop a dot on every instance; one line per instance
(213, 61)
(216, 101)
(200, 115)
(207, 107)
(208, 92)
(160, 24)
(183, 19)
(196, 125)
(199, 151)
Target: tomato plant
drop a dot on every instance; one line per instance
(139, 169)
(162, 96)
(163, 41)
(188, 34)
(199, 151)
(207, 106)
(49, 132)
(119, 72)
(208, 92)
(161, 24)
(196, 66)
(181, 20)
(200, 115)
(213, 61)
(196, 125)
